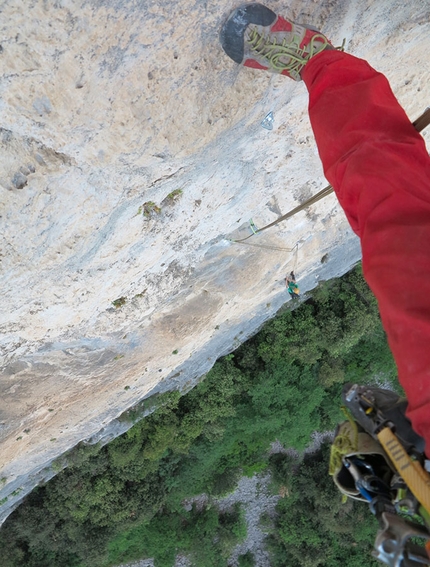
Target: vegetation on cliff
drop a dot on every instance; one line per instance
(125, 501)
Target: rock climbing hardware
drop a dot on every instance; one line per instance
(268, 121)
(376, 457)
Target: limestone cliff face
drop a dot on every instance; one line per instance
(131, 152)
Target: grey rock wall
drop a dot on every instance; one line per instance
(131, 153)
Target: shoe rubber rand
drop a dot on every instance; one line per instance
(256, 37)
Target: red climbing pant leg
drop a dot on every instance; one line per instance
(379, 168)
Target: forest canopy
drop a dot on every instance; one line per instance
(124, 501)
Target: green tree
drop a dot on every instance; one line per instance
(283, 384)
(313, 527)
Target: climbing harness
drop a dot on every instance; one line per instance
(376, 457)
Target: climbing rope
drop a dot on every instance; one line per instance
(264, 246)
(329, 189)
(419, 124)
(296, 257)
(422, 121)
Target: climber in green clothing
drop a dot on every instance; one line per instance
(292, 287)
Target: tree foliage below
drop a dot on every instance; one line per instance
(124, 501)
(312, 527)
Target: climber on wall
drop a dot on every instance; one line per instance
(379, 168)
(291, 285)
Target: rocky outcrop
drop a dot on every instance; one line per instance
(132, 152)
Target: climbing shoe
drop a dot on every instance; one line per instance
(256, 37)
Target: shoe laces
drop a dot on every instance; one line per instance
(286, 55)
